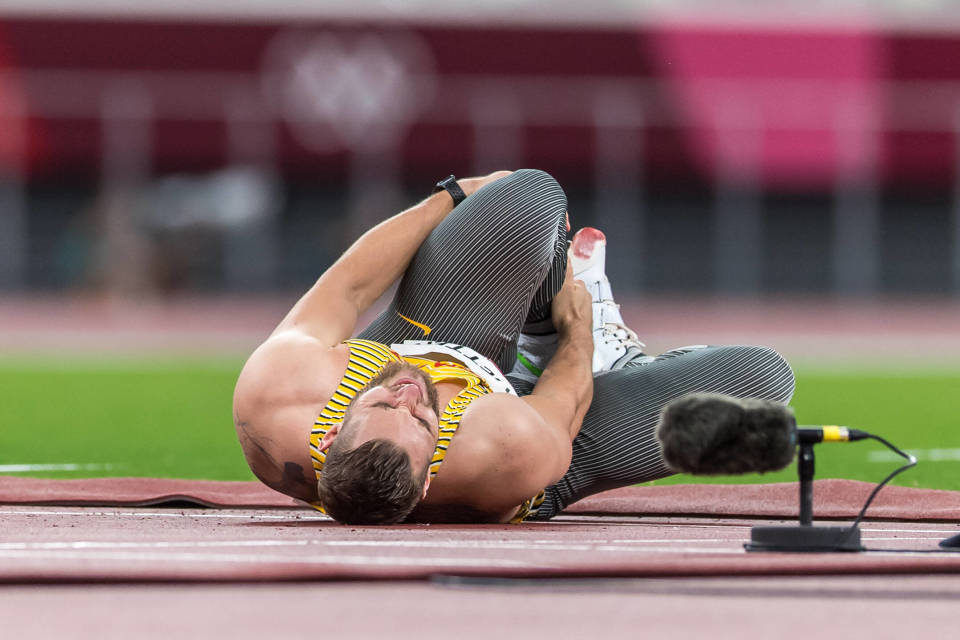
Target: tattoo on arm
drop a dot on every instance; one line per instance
(295, 482)
(263, 465)
(286, 477)
(247, 440)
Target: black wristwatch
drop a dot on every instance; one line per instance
(449, 184)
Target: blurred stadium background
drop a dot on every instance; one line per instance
(173, 176)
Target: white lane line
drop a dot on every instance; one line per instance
(166, 558)
(947, 528)
(154, 514)
(725, 550)
(359, 560)
(556, 545)
(927, 455)
(933, 534)
(89, 549)
(24, 546)
(26, 468)
(909, 554)
(301, 515)
(386, 544)
(618, 546)
(662, 521)
(898, 538)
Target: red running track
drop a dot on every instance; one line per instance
(89, 544)
(82, 571)
(93, 572)
(785, 608)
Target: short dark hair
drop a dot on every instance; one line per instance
(371, 484)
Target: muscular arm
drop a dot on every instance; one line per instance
(563, 393)
(329, 310)
(509, 448)
(278, 395)
(285, 476)
(292, 375)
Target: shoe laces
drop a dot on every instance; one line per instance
(617, 331)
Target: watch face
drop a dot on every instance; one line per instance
(446, 182)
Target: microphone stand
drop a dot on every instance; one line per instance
(805, 536)
(805, 468)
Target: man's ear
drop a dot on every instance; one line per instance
(426, 485)
(329, 437)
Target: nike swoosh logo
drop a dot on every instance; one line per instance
(426, 330)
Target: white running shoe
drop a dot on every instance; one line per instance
(614, 344)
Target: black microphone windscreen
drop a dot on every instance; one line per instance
(713, 434)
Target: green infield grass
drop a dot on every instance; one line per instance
(120, 418)
(169, 418)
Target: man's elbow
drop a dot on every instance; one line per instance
(547, 455)
(530, 451)
(562, 455)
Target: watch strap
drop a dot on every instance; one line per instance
(450, 185)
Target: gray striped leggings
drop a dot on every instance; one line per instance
(492, 267)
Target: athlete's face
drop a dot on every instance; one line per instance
(399, 405)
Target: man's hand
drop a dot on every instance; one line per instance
(563, 393)
(532, 449)
(572, 308)
(471, 185)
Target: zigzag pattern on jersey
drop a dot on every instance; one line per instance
(367, 359)
(451, 414)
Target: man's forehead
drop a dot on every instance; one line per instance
(362, 397)
(364, 414)
(394, 426)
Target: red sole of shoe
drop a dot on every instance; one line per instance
(585, 241)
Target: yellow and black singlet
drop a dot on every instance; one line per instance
(367, 359)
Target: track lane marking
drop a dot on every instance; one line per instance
(948, 527)
(619, 545)
(24, 546)
(78, 466)
(153, 514)
(926, 455)
(478, 545)
(126, 556)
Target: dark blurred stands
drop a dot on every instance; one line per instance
(239, 146)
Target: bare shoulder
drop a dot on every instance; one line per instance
(280, 392)
(291, 367)
(503, 422)
(503, 453)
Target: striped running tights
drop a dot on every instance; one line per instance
(492, 267)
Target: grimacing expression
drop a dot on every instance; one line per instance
(399, 404)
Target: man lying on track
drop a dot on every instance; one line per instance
(412, 420)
